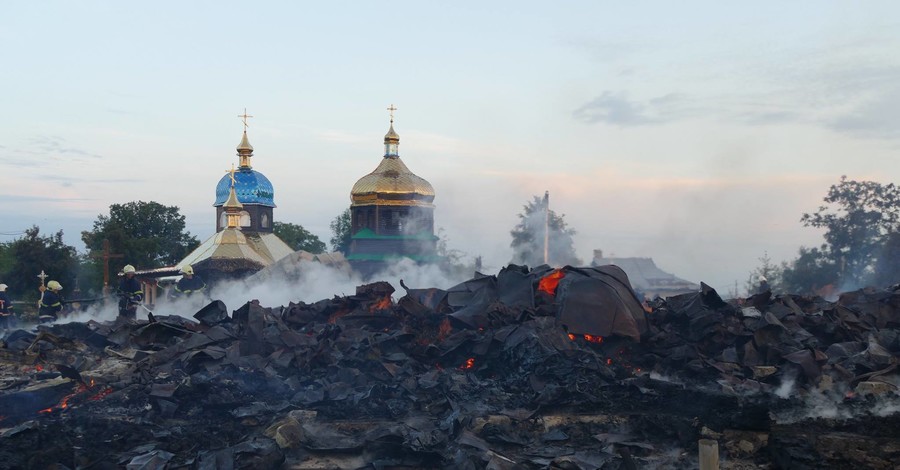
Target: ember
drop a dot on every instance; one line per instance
(330, 385)
(383, 304)
(549, 282)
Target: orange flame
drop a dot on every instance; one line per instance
(64, 403)
(549, 282)
(593, 339)
(39, 368)
(609, 362)
(444, 329)
(588, 338)
(383, 304)
(470, 363)
(336, 315)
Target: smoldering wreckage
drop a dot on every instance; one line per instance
(527, 369)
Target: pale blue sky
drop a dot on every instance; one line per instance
(696, 133)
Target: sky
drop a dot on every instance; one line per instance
(695, 133)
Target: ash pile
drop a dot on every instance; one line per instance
(528, 369)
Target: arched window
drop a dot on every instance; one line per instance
(223, 220)
(264, 221)
(245, 219)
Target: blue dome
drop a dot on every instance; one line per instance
(251, 187)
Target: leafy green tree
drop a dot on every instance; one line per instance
(859, 218)
(811, 271)
(34, 253)
(148, 234)
(528, 237)
(298, 238)
(340, 232)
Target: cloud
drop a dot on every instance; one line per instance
(617, 109)
(18, 198)
(874, 117)
(52, 145)
(44, 150)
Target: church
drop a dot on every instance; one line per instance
(392, 217)
(244, 241)
(391, 214)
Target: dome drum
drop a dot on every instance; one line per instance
(251, 187)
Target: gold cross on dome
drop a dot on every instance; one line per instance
(231, 174)
(392, 108)
(244, 118)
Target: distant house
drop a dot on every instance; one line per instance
(646, 278)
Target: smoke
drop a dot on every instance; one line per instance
(786, 389)
(835, 404)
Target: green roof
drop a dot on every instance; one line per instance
(392, 256)
(368, 234)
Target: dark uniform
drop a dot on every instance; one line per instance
(51, 304)
(186, 287)
(130, 295)
(5, 311)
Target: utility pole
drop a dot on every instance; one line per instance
(546, 227)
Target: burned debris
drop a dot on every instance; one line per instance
(542, 368)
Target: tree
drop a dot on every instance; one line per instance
(811, 271)
(528, 237)
(148, 234)
(298, 238)
(34, 253)
(340, 232)
(859, 219)
(766, 269)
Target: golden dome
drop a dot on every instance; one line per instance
(392, 136)
(392, 184)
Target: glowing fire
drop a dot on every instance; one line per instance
(588, 338)
(470, 363)
(549, 282)
(336, 315)
(383, 304)
(39, 368)
(609, 362)
(444, 329)
(64, 403)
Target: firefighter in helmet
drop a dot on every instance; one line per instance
(6, 313)
(763, 285)
(51, 301)
(130, 293)
(189, 283)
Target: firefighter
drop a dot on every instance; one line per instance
(763, 285)
(6, 313)
(130, 293)
(51, 301)
(189, 283)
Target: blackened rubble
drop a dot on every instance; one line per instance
(534, 368)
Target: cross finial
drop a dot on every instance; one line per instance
(231, 174)
(43, 276)
(244, 118)
(392, 108)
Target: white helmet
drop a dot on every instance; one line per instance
(762, 279)
(128, 269)
(53, 285)
(3, 287)
(187, 269)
